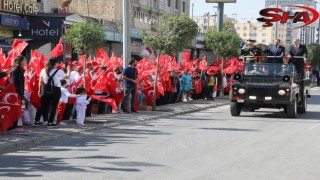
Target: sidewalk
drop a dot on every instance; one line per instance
(32, 136)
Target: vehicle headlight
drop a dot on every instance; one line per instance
(281, 92)
(241, 91)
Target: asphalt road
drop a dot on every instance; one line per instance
(211, 144)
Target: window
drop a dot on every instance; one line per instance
(169, 3)
(177, 4)
(244, 28)
(244, 34)
(205, 20)
(254, 28)
(264, 34)
(183, 6)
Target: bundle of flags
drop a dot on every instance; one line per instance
(105, 80)
(147, 71)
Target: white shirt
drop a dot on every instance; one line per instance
(82, 100)
(65, 94)
(56, 78)
(73, 76)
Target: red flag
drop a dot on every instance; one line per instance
(230, 70)
(37, 61)
(115, 88)
(160, 88)
(9, 89)
(186, 56)
(10, 59)
(109, 101)
(101, 83)
(58, 50)
(19, 45)
(2, 58)
(9, 113)
(197, 86)
(102, 56)
(203, 64)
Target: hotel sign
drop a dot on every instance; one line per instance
(20, 6)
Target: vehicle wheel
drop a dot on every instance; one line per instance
(302, 106)
(292, 109)
(235, 109)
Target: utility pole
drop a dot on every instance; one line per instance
(192, 11)
(276, 32)
(126, 34)
(219, 29)
(220, 17)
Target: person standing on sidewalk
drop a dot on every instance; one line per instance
(17, 76)
(63, 101)
(130, 75)
(49, 102)
(81, 105)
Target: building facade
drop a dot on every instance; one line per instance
(143, 13)
(252, 29)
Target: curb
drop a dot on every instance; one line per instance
(34, 141)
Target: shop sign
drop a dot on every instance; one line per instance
(20, 6)
(46, 28)
(200, 42)
(14, 21)
(136, 46)
(6, 33)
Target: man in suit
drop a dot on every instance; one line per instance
(276, 50)
(297, 49)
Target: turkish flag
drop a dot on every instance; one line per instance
(203, 64)
(115, 88)
(19, 45)
(198, 86)
(109, 101)
(36, 61)
(9, 113)
(213, 68)
(102, 56)
(101, 83)
(149, 95)
(230, 70)
(160, 88)
(233, 61)
(35, 99)
(9, 89)
(58, 50)
(2, 58)
(186, 56)
(10, 59)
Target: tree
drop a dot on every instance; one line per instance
(169, 35)
(224, 44)
(85, 38)
(313, 57)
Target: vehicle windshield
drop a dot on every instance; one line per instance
(270, 69)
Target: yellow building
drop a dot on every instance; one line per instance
(252, 29)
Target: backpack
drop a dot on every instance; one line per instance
(49, 88)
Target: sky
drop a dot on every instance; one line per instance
(245, 9)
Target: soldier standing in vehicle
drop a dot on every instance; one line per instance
(297, 49)
(250, 49)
